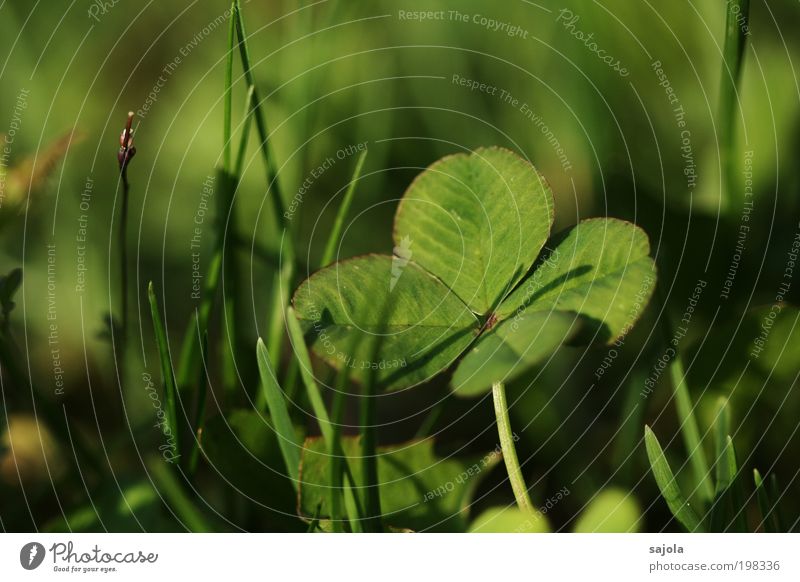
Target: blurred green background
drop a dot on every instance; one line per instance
(339, 73)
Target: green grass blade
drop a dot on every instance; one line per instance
(228, 101)
(690, 431)
(248, 118)
(307, 374)
(261, 123)
(200, 413)
(369, 438)
(282, 424)
(735, 491)
(725, 510)
(763, 502)
(341, 214)
(722, 428)
(341, 477)
(736, 30)
(775, 495)
(170, 488)
(170, 392)
(677, 503)
(352, 507)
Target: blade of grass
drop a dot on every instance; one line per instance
(775, 495)
(738, 522)
(202, 398)
(764, 504)
(723, 510)
(307, 375)
(341, 214)
(331, 244)
(336, 477)
(228, 100)
(727, 513)
(722, 428)
(677, 503)
(736, 31)
(509, 450)
(248, 116)
(260, 118)
(284, 277)
(281, 422)
(170, 392)
(330, 434)
(189, 357)
(368, 422)
(167, 484)
(685, 408)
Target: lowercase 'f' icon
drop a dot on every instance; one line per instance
(31, 555)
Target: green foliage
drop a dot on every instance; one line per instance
(418, 490)
(467, 232)
(477, 222)
(349, 297)
(243, 449)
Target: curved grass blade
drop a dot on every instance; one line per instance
(170, 391)
(677, 503)
(168, 485)
(307, 375)
(775, 495)
(684, 406)
(281, 423)
(341, 214)
(200, 411)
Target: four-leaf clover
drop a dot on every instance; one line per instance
(476, 277)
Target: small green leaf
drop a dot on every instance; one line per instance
(477, 222)
(426, 329)
(610, 511)
(600, 269)
(282, 425)
(509, 520)
(677, 503)
(418, 490)
(510, 349)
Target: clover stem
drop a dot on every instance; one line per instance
(509, 451)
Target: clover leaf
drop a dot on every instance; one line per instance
(474, 275)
